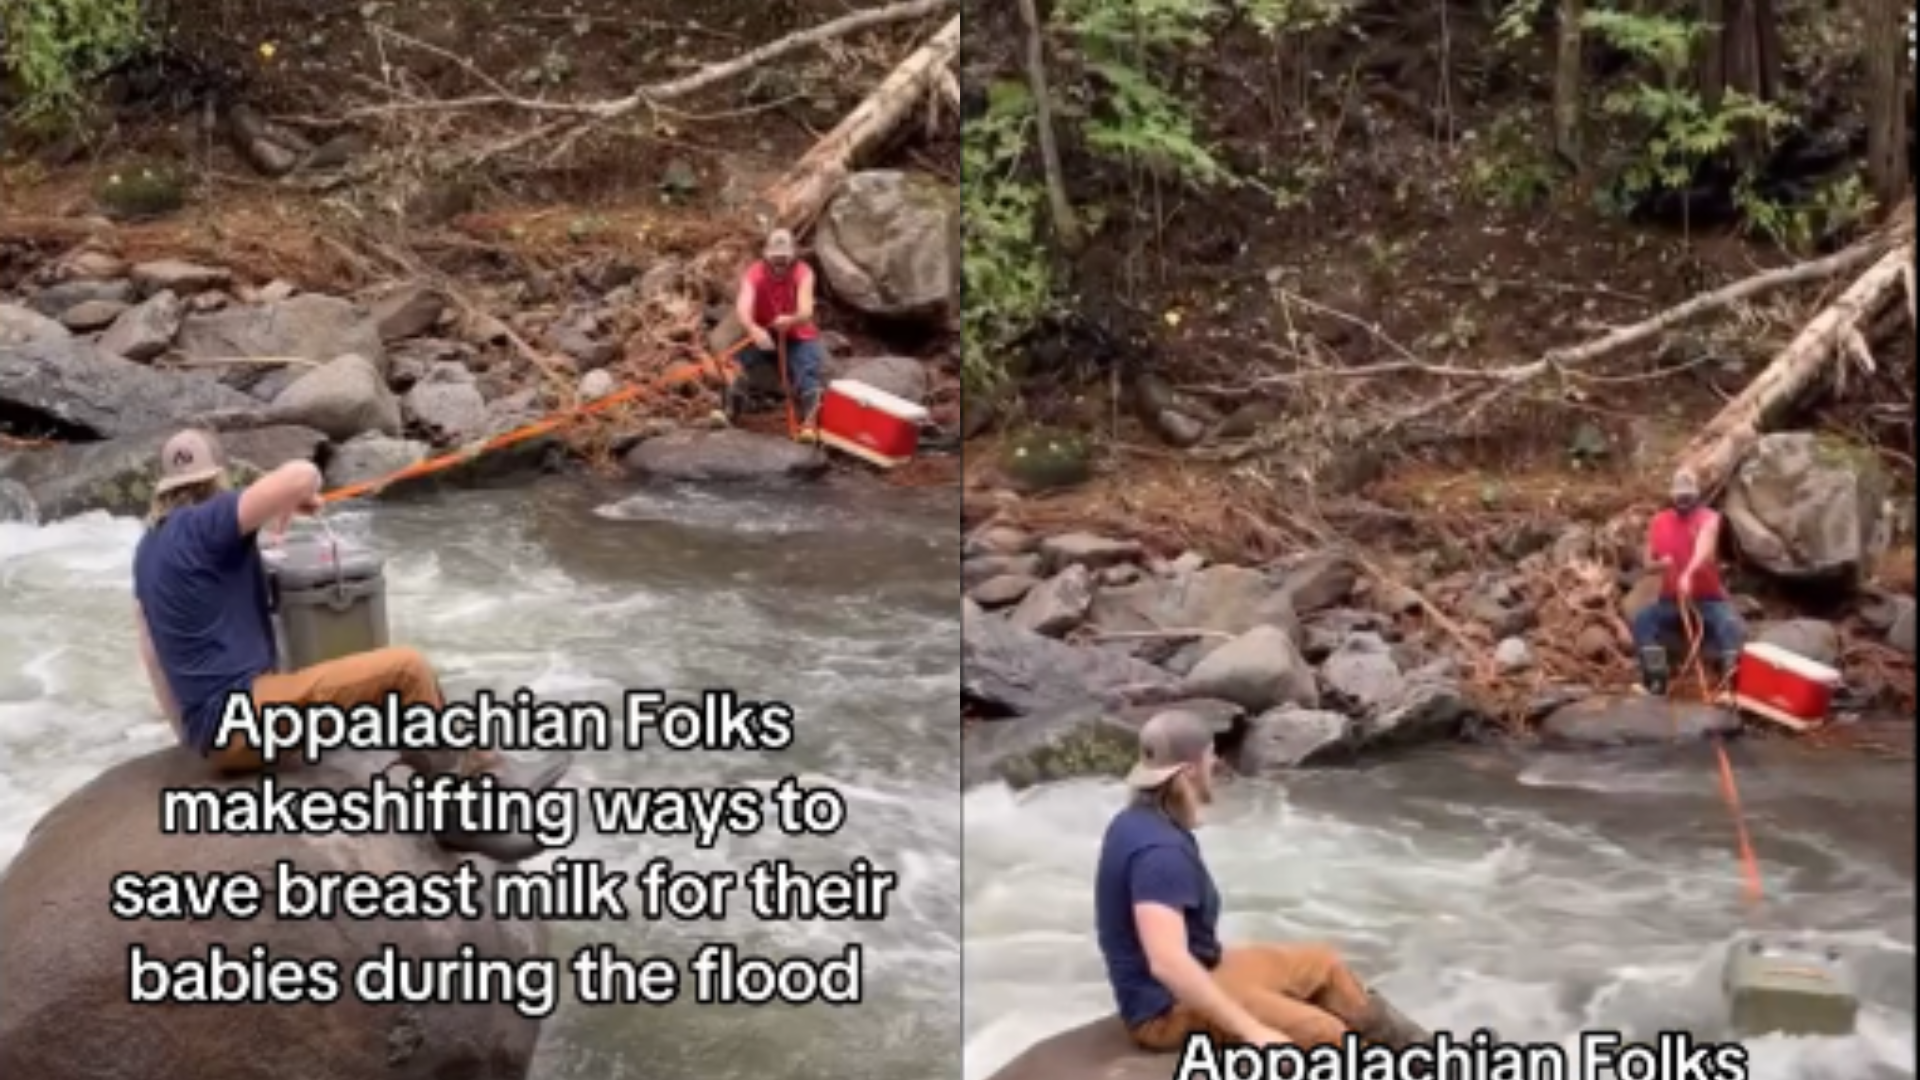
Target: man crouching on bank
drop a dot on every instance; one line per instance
(206, 631)
(1158, 910)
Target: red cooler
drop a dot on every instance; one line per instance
(870, 423)
(1784, 687)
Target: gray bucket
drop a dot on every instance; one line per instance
(329, 599)
(1777, 985)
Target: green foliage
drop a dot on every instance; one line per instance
(1004, 270)
(1834, 207)
(1127, 47)
(50, 49)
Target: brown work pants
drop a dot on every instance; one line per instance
(360, 679)
(1304, 992)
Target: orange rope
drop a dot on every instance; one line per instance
(1695, 628)
(677, 375)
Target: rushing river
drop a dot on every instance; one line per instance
(1536, 895)
(840, 602)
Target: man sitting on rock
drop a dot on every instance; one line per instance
(206, 631)
(1157, 912)
(1682, 544)
(776, 300)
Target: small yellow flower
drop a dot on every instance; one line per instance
(266, 50)
(1173, 317)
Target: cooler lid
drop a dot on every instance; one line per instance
(875, 398)
(308, 563)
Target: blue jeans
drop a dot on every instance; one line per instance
(804, 361)
(1721, 630)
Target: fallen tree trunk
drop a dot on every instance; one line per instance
(1832, 336)
(799, 196)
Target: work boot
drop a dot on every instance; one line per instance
(1385, 1025)
(733, 401)
(501, 847)
(1653, 670)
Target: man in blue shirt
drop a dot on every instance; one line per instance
(1158, 911)
(206, 629)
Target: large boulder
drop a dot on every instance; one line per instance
(725, 455)
(306, 327)
(118, 475)
(1096, 1050)
(1016, 672)
(1627, 721)
(65, 1012)
(884, 244)
(1806, 507)
(344, 398)
(80, 386)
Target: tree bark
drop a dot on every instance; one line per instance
(1568, 77)
(1889, 170)
(1065, 227)
(1833, 336)
(803, 192)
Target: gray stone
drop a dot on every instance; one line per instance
(345, 398)
(1056, 605)
(1093, 552)
(1622, 721)
(1017, 672)
(85, 318)
(722, 456)
(79, 384)
(1811, 639)
(1002, 589)
(1259, 670)
(177, 277)
(1512, 656)
(1289, 737)
(146, 330)
(1362, 675)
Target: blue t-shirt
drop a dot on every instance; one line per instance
(1149, 858)
(203, 587)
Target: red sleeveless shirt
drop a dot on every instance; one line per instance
(1672, 537)
(775, 296)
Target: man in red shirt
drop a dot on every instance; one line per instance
(1682, 543)
(776, 300)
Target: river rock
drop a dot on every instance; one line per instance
(1802, 507)
(90, 316)
(344, 398)
(1815, 639)
(1900, 634)
(1056, 605)
(118, 475)
(370, 457)
(884, 244)
(408, 311)
(446, 406)
(1017, 672)
(54, 300)
(1512, 656)
(902, 376)
(1622, 721)
(147, 330)
(65, 1012)
(1327, 632)
(1002, 589)
(1061, 744)
(180, 278)
(19, 326)
(307, 327)
(1289, 737)
(726, 455)
(16, 502)
(999, 540)
(1086, 549)
(1361, 674)
(1259, 670)
(1317, 580)
(1220, 602)
(1097, 1050)
(982, 568)
(78, 384)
